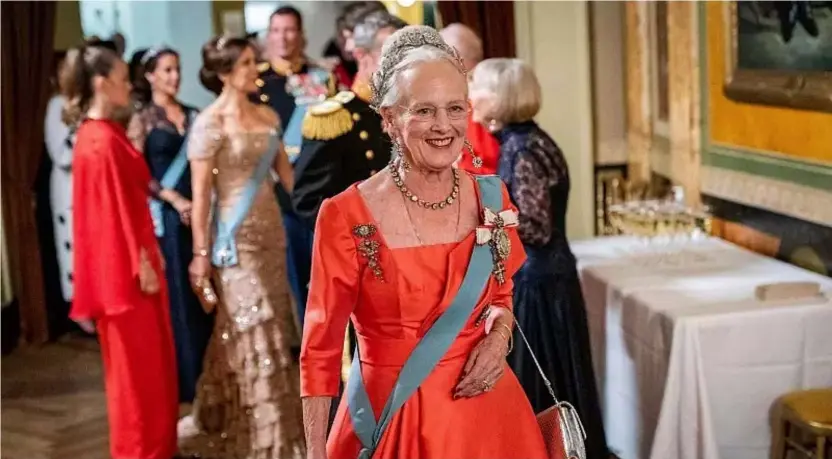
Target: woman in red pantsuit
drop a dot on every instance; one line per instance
(119, 286)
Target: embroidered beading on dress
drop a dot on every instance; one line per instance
(248, 400)
(369, 248)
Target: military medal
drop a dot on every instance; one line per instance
(493, 232)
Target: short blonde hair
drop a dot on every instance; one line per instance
(514, 86)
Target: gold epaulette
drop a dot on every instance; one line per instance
(263, 66)
(326, 121)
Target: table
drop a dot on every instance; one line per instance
(688, 361)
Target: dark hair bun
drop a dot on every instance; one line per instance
(218, 58)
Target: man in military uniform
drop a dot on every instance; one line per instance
(290, 84)
(343, 141)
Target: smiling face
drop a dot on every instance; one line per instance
(165, 76)
(284, 39)
(432, 115)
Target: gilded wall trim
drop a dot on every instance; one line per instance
(639, 119)
(787, 198)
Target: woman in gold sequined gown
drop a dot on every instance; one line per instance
(247, 403)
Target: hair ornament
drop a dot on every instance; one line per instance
(395, 49)
(150, 54)
(221, 42)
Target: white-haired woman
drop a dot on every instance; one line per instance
(421, 257)
(548, 303)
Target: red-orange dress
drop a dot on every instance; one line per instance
(111, 228)
(391, 308)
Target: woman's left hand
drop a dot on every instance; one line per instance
(484, 368)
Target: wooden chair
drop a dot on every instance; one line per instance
(798, 415)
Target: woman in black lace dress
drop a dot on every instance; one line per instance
(548, 302)
(158, 129)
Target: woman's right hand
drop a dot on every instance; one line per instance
(87, 325)
(200, 269)
(148, 278)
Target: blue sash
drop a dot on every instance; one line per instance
(293, 137)
(431, 348)
(224, 251)
(171, 178)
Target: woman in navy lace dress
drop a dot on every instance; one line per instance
(548, 303)
(158, 129)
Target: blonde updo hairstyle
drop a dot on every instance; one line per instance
(513, 87)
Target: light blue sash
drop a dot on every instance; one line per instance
(293, 137)
(431, 348)
(224, 251)
(171, 178)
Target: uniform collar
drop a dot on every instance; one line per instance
(286, 67)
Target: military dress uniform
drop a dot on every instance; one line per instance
(343, 143)
(290, 91)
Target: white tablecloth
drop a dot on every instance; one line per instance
(688, 361)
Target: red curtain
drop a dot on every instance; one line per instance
(28, 31)
(493, 21)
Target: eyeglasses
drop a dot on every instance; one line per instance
(425, 113)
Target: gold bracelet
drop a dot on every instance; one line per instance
(200, 252)
(507, 338)
(510, 336)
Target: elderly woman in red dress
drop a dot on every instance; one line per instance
(420, 257)
(120, 288)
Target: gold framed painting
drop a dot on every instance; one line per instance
(780, 53)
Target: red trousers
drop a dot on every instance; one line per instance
(140, 376)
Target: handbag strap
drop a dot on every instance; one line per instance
(431, 348)
(537, 364)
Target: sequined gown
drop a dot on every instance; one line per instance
(248, 401)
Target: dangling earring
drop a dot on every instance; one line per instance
(397, 155)
(493, 126)
(475, 160)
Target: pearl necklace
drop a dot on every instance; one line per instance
(397, 179)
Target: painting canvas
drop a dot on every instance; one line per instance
(784, 35)
(780, 53)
